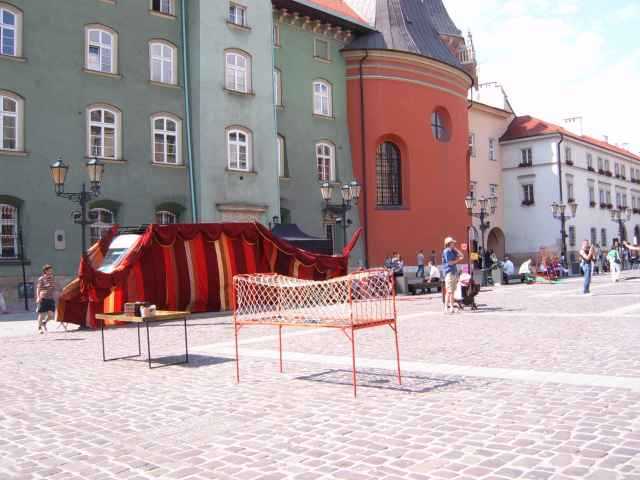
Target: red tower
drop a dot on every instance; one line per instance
(407, 89)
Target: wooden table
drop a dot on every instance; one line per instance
(160, 317)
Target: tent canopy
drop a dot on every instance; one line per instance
(188, 267)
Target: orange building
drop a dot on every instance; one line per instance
(407, 87)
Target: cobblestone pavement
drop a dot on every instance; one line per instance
(541, 383)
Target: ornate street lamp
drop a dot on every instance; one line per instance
(488, 207)
(620, 216)
(559, 211)
(350, 193)
(95, 172)
(326, 190)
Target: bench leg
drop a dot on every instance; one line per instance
(353, 360)
(235, 327)
(394, 327)
(280, 345)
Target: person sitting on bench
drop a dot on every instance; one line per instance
(434, 273)
(508, 270)
(525, 272)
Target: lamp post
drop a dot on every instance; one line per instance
(488, 207)
(620, 216)
(559, 211)
(350, 193)
(95, 170)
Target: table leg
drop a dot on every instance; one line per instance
(148, 344)
(104, 357)
(186, 344)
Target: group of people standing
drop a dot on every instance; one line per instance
(594, 260)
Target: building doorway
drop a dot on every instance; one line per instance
(496, 242)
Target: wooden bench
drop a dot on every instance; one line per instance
(515, 278)
(423, 285)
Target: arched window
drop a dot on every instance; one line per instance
(11, 121)
(167, 139)
(325, 159)
(322, 102)
(440, 125)
(163, 64)
(388, 176)
(165, 217)
(237, 71)
(8, 231)
(239, 149)
(281, 156)
(277, 87)
(10, 30)
(103, 132)
(102, 45)
(104, 220)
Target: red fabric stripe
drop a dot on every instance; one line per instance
(237, 248)
(230, 268)
(249, 254)
(182, 270)
(171, 278)
(201, 275)
(213, 285)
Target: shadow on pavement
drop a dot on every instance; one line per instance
(195, 360)
(386, 381)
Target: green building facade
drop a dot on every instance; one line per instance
(314, 140)
(107, 78)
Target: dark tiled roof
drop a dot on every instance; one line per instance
(440, 18)
(406, 25)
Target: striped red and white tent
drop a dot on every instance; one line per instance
(188, 267)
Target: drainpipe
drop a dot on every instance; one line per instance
(187, 107)
(275, 125)
(365, 219)
(563, 233)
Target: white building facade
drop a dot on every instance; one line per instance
(486, 125)
(597, 176)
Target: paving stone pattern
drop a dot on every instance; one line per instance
(65, 414)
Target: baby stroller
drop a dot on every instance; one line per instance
(466, 292)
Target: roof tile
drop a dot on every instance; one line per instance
(528, 126)
(339, 7)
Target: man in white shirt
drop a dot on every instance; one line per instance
(525, 271)
(434, 273)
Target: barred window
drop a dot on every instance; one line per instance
(104, 221)
(165, 217)
(388, 175)
(164, 6)
(8, 231)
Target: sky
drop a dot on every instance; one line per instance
(561, 58)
